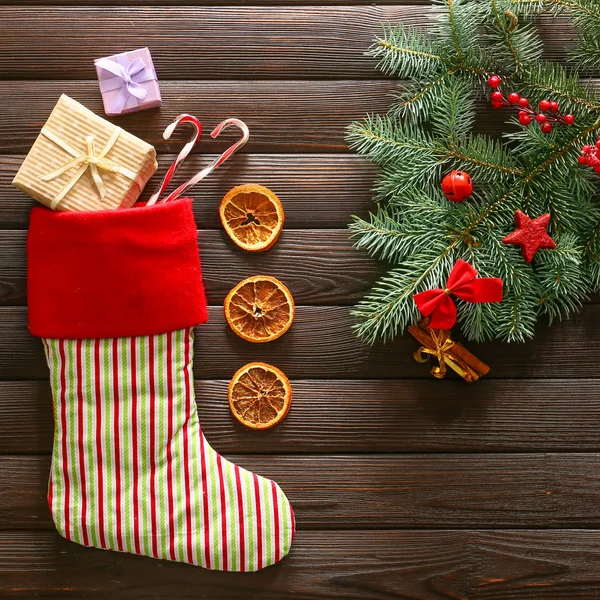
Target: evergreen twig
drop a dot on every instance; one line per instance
(418, 232)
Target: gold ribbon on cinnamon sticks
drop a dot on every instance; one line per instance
(439, 344)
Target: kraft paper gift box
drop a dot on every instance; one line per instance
(128, 82)
(82, 162)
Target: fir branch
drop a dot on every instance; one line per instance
(513, 46)
(383, 312)
(588, 54)
(385, 138)
(452, 22)
(417, 100)
(553, 82)
(536, 171)
(503, 320)
(582, 6)
(396, 178)
(462, 158)
(423, 234)
(456, 24)
(478, 322)
(592, 248)
(506, 32)
(385, 235)
(389, 307)
(454, 115)
(488, 160)
(407, 52)
(516, 316)
(586, 17)
(563, 282)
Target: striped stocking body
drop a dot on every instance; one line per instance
(131, 470)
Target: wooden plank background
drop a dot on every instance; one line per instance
(404, 487)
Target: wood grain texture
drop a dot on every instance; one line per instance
(383, 491)
(321, 345)
(350, 565)
(353, 565)
(344, 416)
(319, 266)
(215, 3)
(347, 565)
(403, 488)
(535, 565)
(197, 42)
(318, 191)
(283, 116)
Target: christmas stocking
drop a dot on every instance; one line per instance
(115, 296)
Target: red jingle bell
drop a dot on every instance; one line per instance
(457, 186)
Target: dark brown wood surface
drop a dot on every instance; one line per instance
(201, 42)
(393, 491)
(403, 486)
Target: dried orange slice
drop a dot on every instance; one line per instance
(252, 216)
(260, 395)
(259, 309)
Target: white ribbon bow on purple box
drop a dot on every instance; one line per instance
(117, 73)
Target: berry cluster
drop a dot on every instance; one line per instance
(590, 156)
(548, 116)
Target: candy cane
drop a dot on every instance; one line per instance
(181, 156)
(218, 161)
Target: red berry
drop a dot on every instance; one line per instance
(546, 128)
(569, 119)
(524, 118)
(494, 81)
(513, 97)
(497, 104)
(586, 149)
(523, 102)
(541, 118)
(582, 160)
(554, 106)
(597, 169)
(544, 105)
(598, 144)
(497, 96)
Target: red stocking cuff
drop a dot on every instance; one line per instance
(114, 273)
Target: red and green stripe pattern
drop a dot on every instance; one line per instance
(132, 471)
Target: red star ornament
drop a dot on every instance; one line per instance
(530, 234)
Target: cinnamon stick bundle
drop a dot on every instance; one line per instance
(438, 343)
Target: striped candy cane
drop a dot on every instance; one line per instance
(181, 156)
(218, 161)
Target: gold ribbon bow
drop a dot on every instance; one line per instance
(443, 344)
(85, 160)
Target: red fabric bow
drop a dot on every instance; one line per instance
(463, 284)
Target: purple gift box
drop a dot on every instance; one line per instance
(128, 82)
